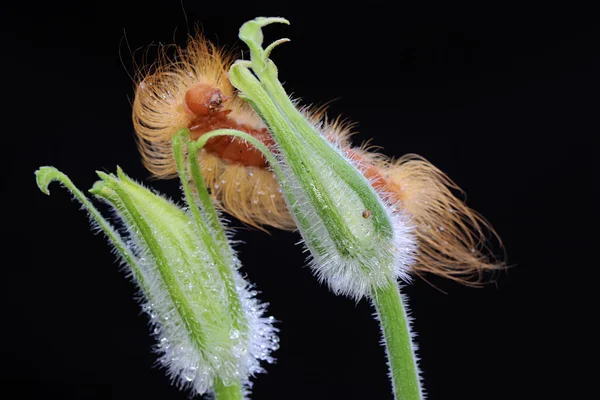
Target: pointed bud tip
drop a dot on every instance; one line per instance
(103, 175)
(100, 189)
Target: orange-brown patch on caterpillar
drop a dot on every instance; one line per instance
(205, 103)
(375, 175)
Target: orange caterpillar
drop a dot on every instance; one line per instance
(192, 91)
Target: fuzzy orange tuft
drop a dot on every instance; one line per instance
(452, 238)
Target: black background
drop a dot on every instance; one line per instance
(505, 105)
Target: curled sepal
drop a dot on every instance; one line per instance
(46, 175)
(251, 34)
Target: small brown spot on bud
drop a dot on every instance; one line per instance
(367, 213)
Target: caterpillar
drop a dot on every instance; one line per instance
(191, 90)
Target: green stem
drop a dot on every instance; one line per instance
(233, 392)
(217, 246)
(398, 341)
(206, 202)
(206, 206)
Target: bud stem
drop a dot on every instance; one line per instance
(208, 207)
(217, 246)
(395, 326)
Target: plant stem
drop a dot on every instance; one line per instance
(233, 392)
(396, 333)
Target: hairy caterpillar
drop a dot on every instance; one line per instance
(192, 90)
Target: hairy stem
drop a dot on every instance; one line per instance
(219, 241)
(206, 202)
(233, 392)
(398, 341)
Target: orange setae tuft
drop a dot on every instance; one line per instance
(452, 238)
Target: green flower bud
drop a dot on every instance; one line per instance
(359, 242)
(210, 328)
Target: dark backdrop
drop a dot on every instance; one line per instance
(504, 105)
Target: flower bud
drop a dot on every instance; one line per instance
(210, 329)
(357, 239)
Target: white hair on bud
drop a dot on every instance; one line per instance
(187, 366)
(357, 276)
